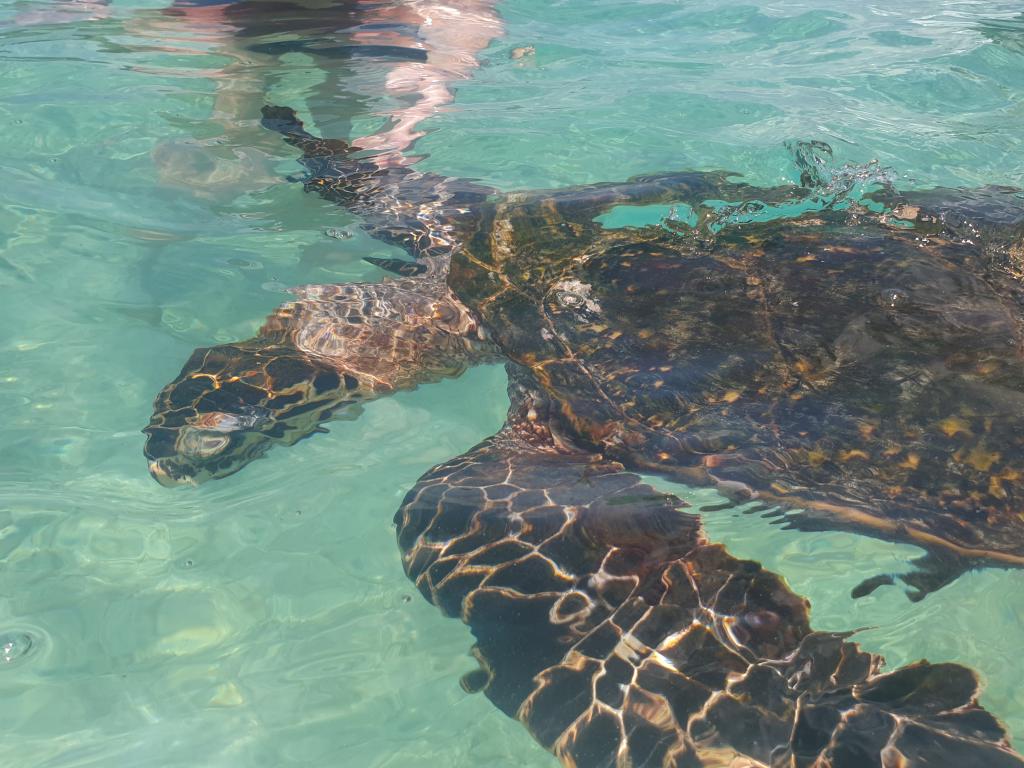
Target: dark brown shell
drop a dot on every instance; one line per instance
(866, 369)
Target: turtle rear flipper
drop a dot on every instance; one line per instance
(609, 626)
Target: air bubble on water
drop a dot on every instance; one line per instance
(894, 298)
(825, 185)
(245, 264)
(338, 234)
(15, 646)
(820, 173)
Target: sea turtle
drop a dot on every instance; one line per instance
(852, 370)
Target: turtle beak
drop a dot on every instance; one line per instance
(161, 474)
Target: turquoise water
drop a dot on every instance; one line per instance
(263, 620)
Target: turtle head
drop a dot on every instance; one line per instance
(231, 403)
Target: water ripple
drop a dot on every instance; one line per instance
(16, 646)
(265, 619)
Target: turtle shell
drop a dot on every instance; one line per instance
(864, 371)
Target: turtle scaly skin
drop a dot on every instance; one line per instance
(859, 371)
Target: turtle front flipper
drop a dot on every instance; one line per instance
(430, 215)
(608, 625)
(426, 214)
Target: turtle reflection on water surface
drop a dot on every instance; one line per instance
(856, 371)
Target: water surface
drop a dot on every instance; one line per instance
(264, 620)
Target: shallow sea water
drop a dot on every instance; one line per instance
(263, 620)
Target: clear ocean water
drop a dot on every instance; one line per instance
(264, 620)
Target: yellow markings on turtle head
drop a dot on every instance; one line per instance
(210, 376)
(955, 425)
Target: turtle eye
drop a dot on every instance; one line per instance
(201, 443)
(247, 417)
